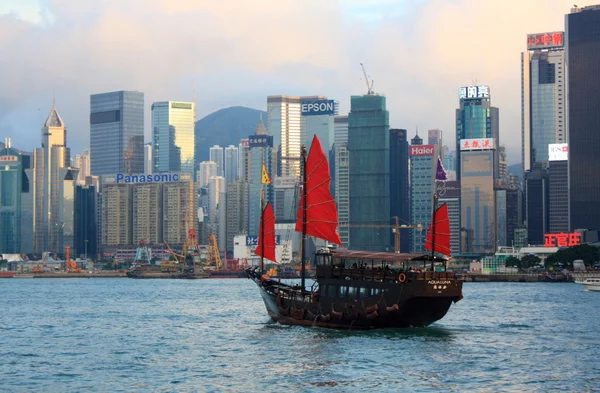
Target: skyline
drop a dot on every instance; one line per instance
(240, 56)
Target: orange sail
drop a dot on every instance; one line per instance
(321, 212)
(266, 234)
(441, 223)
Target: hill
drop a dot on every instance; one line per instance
(225, 127)
(515, 169)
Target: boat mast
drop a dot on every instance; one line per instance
(433, 230)
(262, 229)
(303, 244)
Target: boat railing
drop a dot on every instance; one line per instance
(388, 275)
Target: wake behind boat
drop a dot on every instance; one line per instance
(354, 289)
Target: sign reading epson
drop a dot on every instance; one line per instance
(317, 107)
(156, 178)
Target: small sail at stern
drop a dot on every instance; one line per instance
(321, 212)
(266, 234)
(442, 232)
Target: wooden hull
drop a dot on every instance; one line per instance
(402, 305)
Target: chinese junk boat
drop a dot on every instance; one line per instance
(354, 289)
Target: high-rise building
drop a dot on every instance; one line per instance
(179, 209)
(342, 178)
(476, 119)
(237, 212)
(216, 155)
(207, 170)
(117, 133)
(450, 195)
(501, 207)
(514, 212)
(216, 188)
(173, 137)
(231, 163)
(12, 169)
(537, 203)
(583, 88)
(558, 187)
(292, 121)
(287, 194)
(52, 182)
(369, 172)
(543, 97)
(399, 184)
(423, 163)
(261, 152)
(117, 213)
(147, 213)
(86, 202)
(243, 157)
(148, 159)
(434, 137)
(82, 162)
(477, 198)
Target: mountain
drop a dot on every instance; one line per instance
(515, 169)
(225, 127)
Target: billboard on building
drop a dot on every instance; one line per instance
(260, 141)
(318, 107)
(558, 152)
(8, 158)
(554, 39)
(422, 150)
(477, 144)
(471, 92)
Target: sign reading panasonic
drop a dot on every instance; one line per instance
(156, 178)
(318, 107)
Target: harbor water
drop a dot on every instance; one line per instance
(123, 335)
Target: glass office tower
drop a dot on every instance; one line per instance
(173, 136)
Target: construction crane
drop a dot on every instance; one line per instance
(213, 253)
(395, 228)
(71, 265)
(369, 85)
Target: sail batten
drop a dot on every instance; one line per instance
(441, 223)
(266, 235)
(321, 211)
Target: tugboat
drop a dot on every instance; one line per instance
(354, 289)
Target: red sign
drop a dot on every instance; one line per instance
(545, 40)
(422, 150)
(562, 239)
(8, 158)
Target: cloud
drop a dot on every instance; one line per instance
(238, 52)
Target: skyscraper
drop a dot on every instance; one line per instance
(86, 202)
(292, 121)
(476, 118)
(237, 212)
(543, 97)
(216, 155)
(342, 179)
(82, 162)
(261, 152)
(583, 87)
(117, 133)
(207, 170)
(52, 181)
(243, 156)
(399, 187)
(558, 187)
(537, 203)
(369, 172)
(423, 164)
(173, 136)
(12, 168)
(231, 163)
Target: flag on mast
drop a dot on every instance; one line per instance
(265, 175)
(440, 173)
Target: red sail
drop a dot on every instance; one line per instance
(442, 231)
(266, 235)
(321, 212)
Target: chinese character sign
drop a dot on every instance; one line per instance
(477, 144)
(545, 40)
(473, 92)
(562, 239)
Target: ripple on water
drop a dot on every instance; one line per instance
(122, 335)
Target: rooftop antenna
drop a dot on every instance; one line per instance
(53, 97)
(369, 85)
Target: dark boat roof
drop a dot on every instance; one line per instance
(381, 256)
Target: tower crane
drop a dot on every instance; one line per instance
(369, 85)
(395, 228)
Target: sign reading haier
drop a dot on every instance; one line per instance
(317, 107)
(422, 150)
(156, 178)
(558, 152)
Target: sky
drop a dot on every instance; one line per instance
(237, 52)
